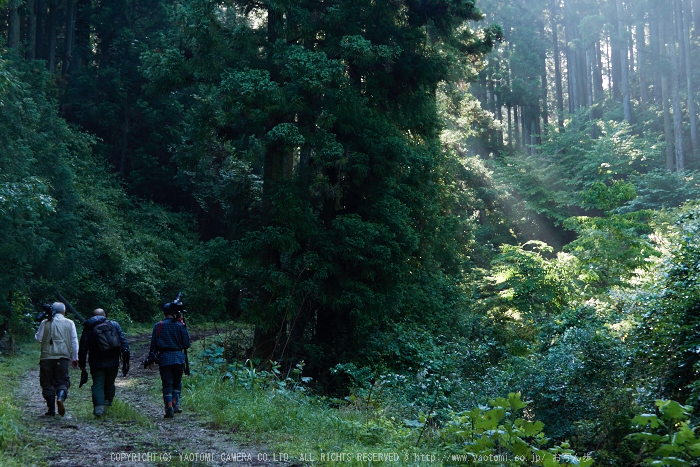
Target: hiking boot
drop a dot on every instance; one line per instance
(60, 397)
(170, 413)
(177, 409)
(99, 410)
(50, 408)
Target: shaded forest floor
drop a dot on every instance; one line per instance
(133, 432)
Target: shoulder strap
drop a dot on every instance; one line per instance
(160, 325)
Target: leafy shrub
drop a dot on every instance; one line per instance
(667, 332)
(577, 386)
(669, 436)
(497, 433)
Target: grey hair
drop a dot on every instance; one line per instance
(58, 307)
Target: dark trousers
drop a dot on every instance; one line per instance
(54, 376)
(171, 376)
(103, 385)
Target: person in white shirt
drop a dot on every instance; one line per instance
(59, 351)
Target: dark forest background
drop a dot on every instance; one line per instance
(483, 198)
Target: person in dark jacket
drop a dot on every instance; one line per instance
(168, 340)
(103, 368)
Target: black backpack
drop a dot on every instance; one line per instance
(107, 338)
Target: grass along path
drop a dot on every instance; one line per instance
(133, 432)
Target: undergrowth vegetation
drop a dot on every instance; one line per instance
(377, 423)
(17, 446)
(283, 413)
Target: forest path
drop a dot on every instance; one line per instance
(135, 434)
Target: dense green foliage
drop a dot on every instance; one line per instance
(376, 189)
(67, 225)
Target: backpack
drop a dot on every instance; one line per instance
(107, 338)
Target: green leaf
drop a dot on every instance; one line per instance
(529, 428)
(673, 410)
(673, 461)
(644, 437)
(644, 419)
(668, 450)
(694, 450)
(521, 448)
(515, 402)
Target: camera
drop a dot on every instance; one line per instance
(177, 306)
(151, 361)
(46, 312)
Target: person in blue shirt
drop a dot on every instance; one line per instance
(168, 341)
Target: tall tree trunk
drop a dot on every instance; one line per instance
(81, 42)
(570, 60)
(668, 128)
(608, 61)
(676, 103)
(678, 12)
(510, 127)
(557, 68)
(490, 101)
(569, 87)
(31, 30)
(641, 63)
(623, 63)
(668, 131)
(499, 117)
(685, 38)
(525, 118)
(582, 76)
(13, 26)
(70, 34)
(534, 129)
(574, 77)
(598, 91)
(516, 126)
(51, 35)
(41, 29)
(630, 49)
(545, 97)
(589, 89)
(616, 78)
(509, 110)
(655, 42)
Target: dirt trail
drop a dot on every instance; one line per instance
(80, 439)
